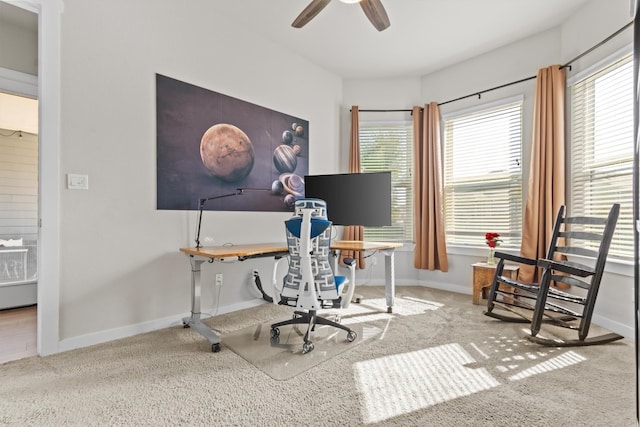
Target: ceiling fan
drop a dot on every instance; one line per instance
(372, 8)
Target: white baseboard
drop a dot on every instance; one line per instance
(117, 333)
(459, 289)
(141, 328)
(617, 327)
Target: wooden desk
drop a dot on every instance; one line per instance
(277, 250)
(483, 274)
(242, 252)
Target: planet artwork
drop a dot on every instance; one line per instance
(210, 145)
(285, 158)
(227, 152)
(292, 184)
(287, 137)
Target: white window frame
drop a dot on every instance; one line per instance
(511, 234)
(401, 186)
(625, 219)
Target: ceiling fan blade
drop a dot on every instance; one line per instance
(309, 13)
(376, 14)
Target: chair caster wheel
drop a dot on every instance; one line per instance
(275, 332)
(215, 347)
(351, 336)
(307, 347)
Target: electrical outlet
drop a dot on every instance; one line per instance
(219, 279)
(374, 261)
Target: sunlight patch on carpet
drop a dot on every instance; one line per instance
(519, 358)
(403, 305)
(558, 362)
(402, 383)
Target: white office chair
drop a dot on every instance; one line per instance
(310, 284)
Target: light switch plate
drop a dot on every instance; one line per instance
(77, 182)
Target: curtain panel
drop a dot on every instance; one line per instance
(429, 235)
(546, 185)
(354, 232)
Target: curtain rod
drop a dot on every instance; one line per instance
(568, 64)
(479, 94)
(382, 111)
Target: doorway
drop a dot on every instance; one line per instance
(19, 184)
(18, 226)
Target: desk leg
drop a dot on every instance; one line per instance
(194, 321)
(389, 278)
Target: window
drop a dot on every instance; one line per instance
(482, 174)
(389, 147)
(602, 148)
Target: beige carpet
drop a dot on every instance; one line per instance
(436, 361)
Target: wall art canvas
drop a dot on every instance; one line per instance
(210, 144)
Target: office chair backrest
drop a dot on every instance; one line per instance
(308, 239)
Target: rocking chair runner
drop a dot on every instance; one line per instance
(574, 240)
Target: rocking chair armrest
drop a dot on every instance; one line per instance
(573, 268)
(514, 258)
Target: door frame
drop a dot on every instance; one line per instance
(50, 181)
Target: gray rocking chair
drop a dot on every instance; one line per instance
(575, 241)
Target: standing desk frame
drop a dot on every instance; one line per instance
(197, 256)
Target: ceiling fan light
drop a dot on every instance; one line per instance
(350, 1)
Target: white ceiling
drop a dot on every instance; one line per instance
(424, 36)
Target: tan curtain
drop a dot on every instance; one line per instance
(354, 232)
(546, 186)
(431, 248)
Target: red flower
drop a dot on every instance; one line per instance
(492, 239)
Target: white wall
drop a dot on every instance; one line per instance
(120, 271)
(512, 63)
(120, 268)
(595, 22)
(18, 48)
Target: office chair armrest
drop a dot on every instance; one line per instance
(277, 291)
(515, 258)
(568, 267)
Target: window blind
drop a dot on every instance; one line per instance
(389, 147)
(602, 148)
(483, 176)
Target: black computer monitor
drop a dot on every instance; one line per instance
(353, 198)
